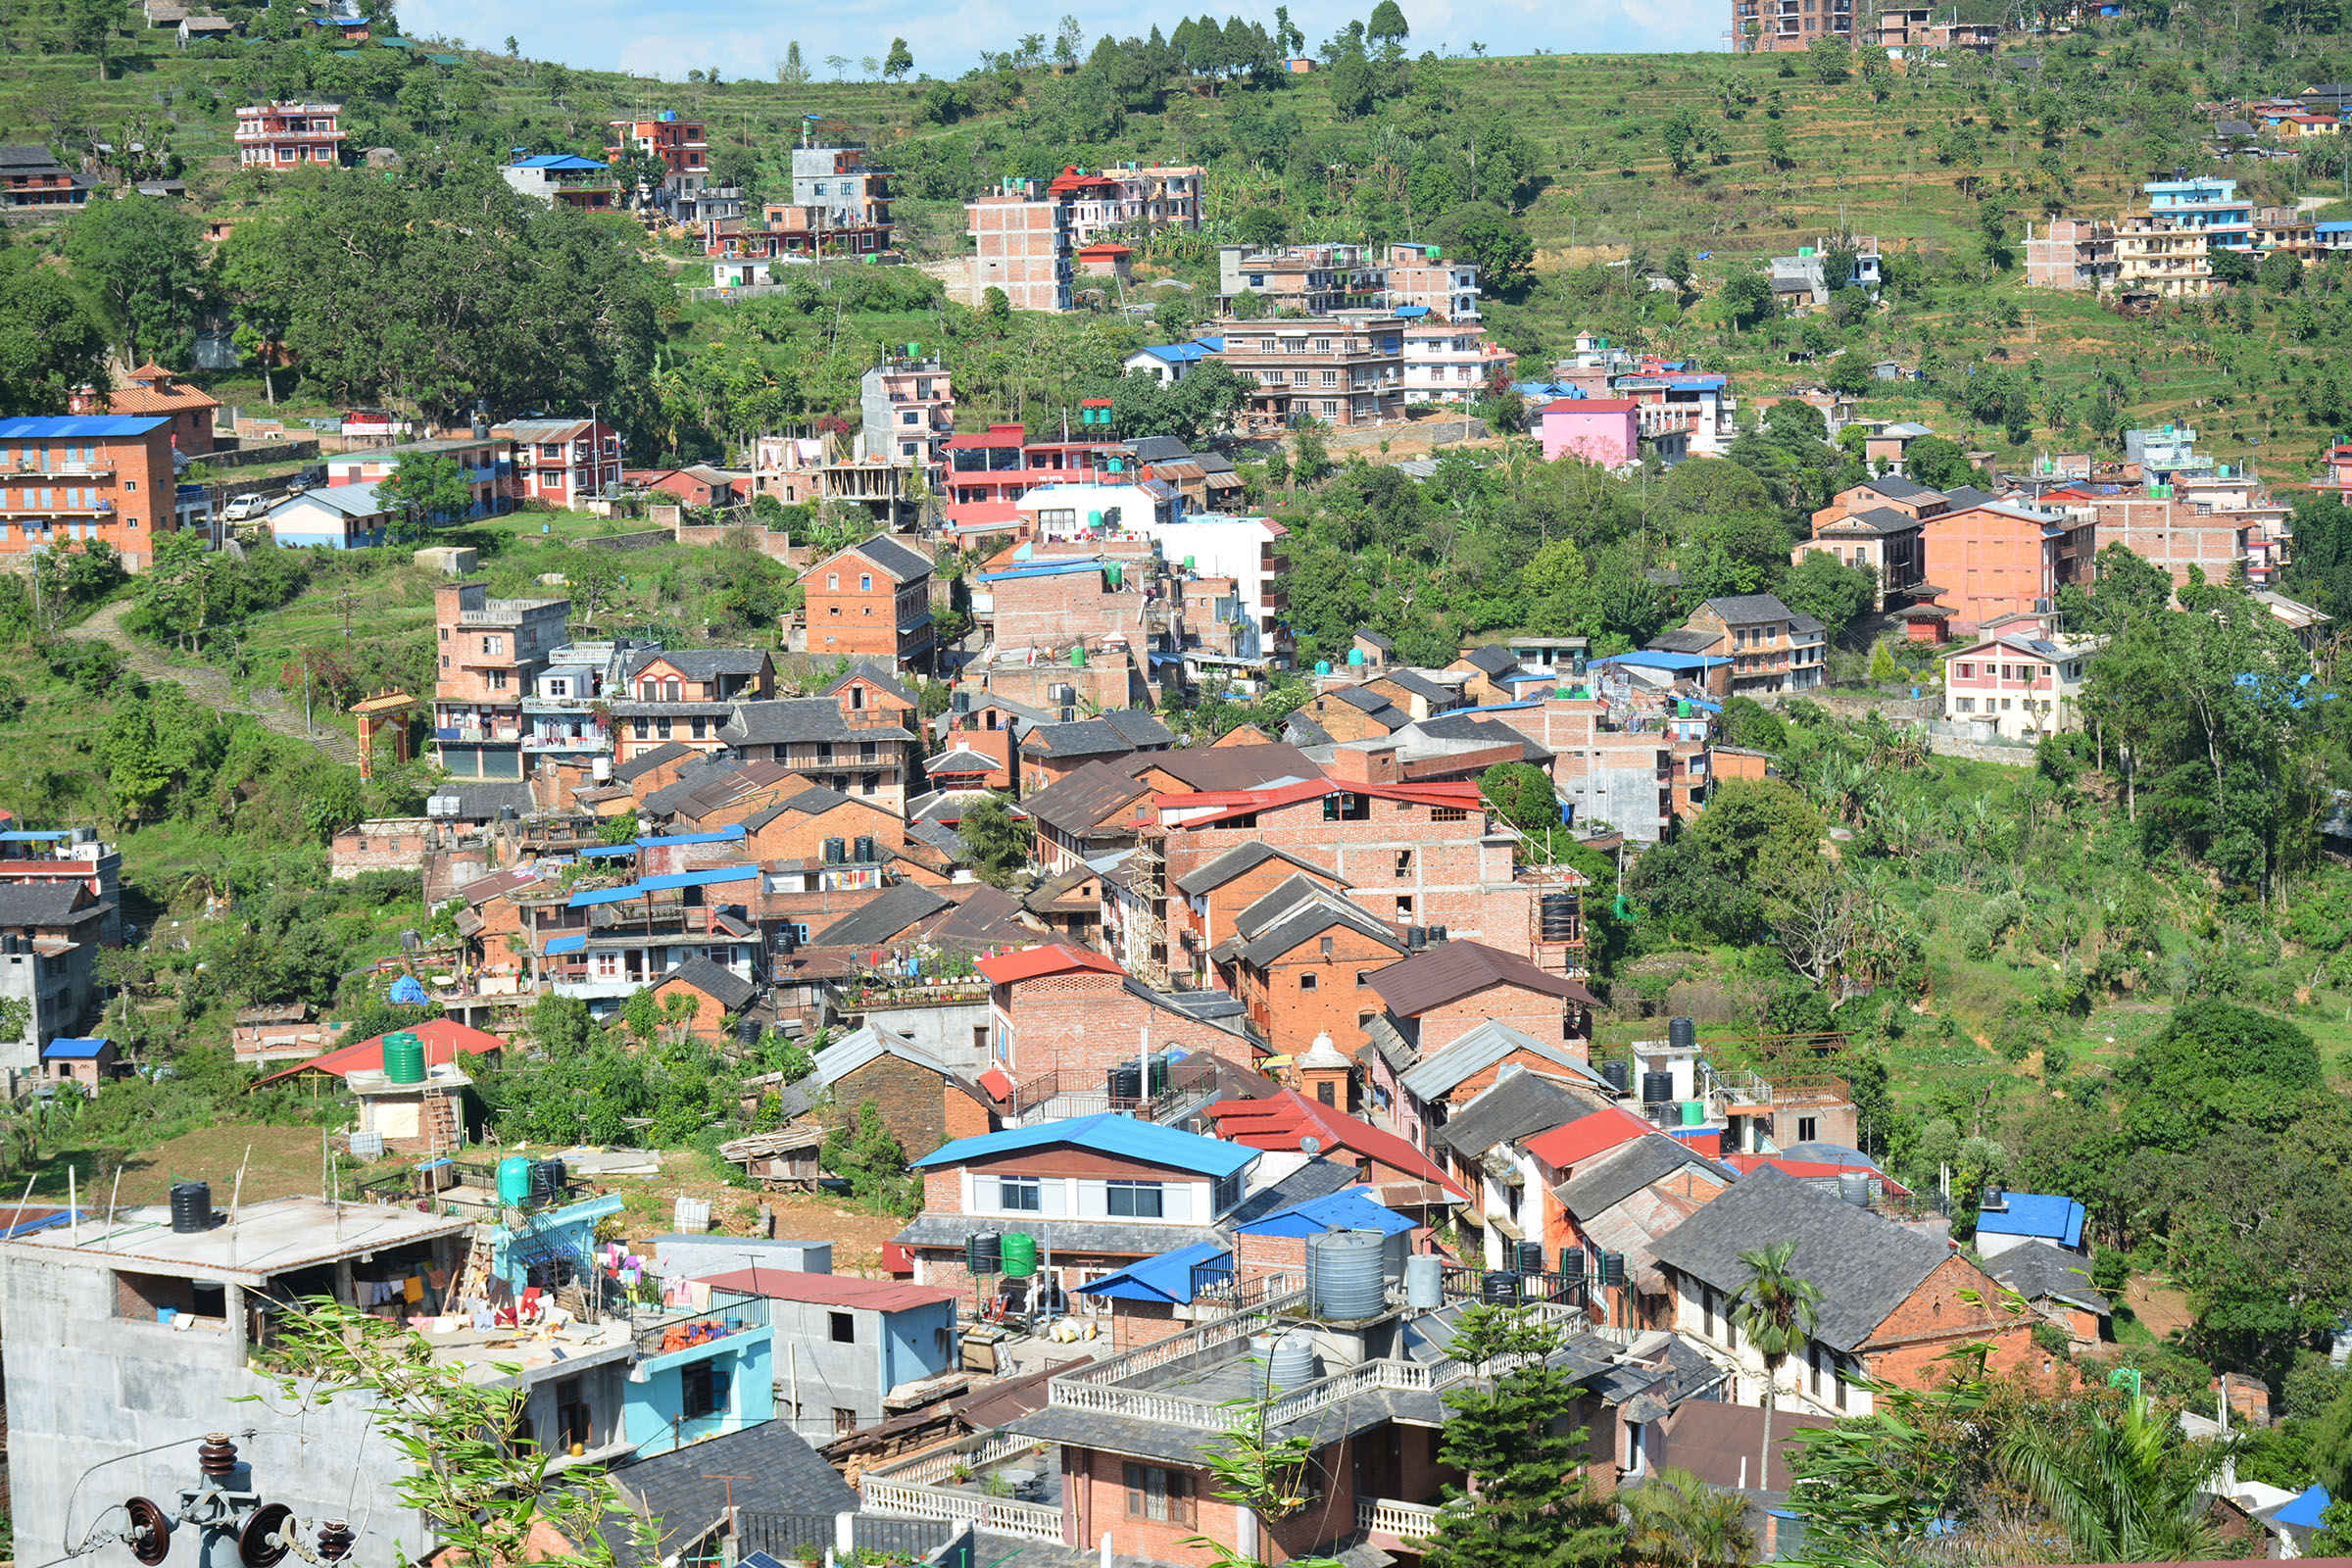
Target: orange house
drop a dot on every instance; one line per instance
(76, 480)
(870, 601)
(2001, 558)
(152, 389)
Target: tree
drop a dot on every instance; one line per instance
(1747, 299)
(49, 343)
(1262, 227)
(91, 29)
(1850, 372)
(1528, 1504)
(1350, 84)
(1828, 590)
(1522, 795)
(899, 60)
(142, 257)
(865, 1153)
(1939, 462)
(1777, 1312)
(791, 70)
(1000, 846)
(1489, 236)
(432, 485)
(1675, 1520)
(2129, 1489)
(1386, 26)
(1830, 56)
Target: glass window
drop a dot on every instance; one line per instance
(1133, 1200)
(1021, 1193)
(844, 1328)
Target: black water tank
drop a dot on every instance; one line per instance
(1416, 937)
(1656, 1088)
(865, 851)
(1126, 1083)
(1500, 1287)
(1618, 1075)
(833, 852)
(191, 1206)
(1531, 1257)
(748, 1030)
(554, 1173)
(1681, 1034)
(1572, 1263)
(983, 1253)
(1612, 1268)
(1557, 913)
(1436, 934)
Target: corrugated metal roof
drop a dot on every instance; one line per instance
(1104, 1134)
(1349, 1210)
(32, 427)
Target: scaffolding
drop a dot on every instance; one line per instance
(1149, 962)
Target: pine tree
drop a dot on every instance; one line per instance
(791, 71)
(1531, 1507)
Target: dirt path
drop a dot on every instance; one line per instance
(209, 686)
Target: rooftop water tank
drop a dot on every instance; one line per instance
(1854, 1188)
(1019, 1251)
(404, 1057)
(514, 1179)
(1618, 1075)
(191, 1206)
(1344, 1275)
(1424, 1282)
(983, 1253)
(1500, 1287)
(1694, 1113)
(1656, 1088)
(1681, 1034)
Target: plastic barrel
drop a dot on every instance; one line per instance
(1344, 1275)
(1020, 1255)
(1500, 1287)
(1424, 1281)
(1618, 1075)
(1681, 1034)
(404, 1057)
(191, 1206)
(1656, 1088)
(1694, 1113)
(1529, 1257)
(514, 1179)
(1854, 1188)
(983, 1253)
(1290, 1362)
(1557, 912)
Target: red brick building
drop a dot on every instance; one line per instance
(153, 390)
(563, 463)
(717, 994)
(73, 480)
(922, 1102)
(822, 826)
(1302, 960)
(870, 601)
(289, 135)
(1070, 1015)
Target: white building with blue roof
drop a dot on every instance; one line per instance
(2012, 1220)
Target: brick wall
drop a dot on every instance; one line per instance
(399, 848)
(1302, 993)
(1082, 1026)
(1530, 1011)
(1056, 611)
(2174, 536)
(1908, 1347)
(709, 1013)
(844, 619)
(798, 836)
(912, 1099)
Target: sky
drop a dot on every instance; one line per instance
(746, 37)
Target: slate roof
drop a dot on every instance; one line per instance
(1368, 635)
(1493, 659)
(724, 986)
(899, 907)
(896, 559)
(1231, 767)
(1440, 1073)
(1453, 970)
(872, 674)
(1076, 803)
(1895, 487)
(689, 1489)
(1418, 684)
(1683, 640)
(986, 917)
(1080, 737)
(698, 790)
(802, 719)
(1490, 732)
(1876, 520)
(1300, 909)
(1741, 610)
(1300, 730)
(1516, 1105)
(481, 801)
(701, 663)
(814, 801)
(1233, 862)
(1865, 1267)
(1371, 702)
(1967, 495)
(1158, 447)
(1139, 728)
(2038, 1271)
(942, 838)
(1316, 1178)
(962, 762)
(44, 904)
(1623, 1172)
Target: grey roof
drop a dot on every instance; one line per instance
(481, 801)
(36, 903)
(1878, 520)
(1231, 767)
(24, 157)
(702, 664)
(1300, 730)
(962, 762)
(2036, 1270)
(1367, 634)
(1242, 858)
(1895, 487)
(1300, 909)
(1493, 659)
(1316, 1178)
(766, 1467)
(1158, 448)
(1518, 1105)
(810, 802)
(874, 674)
(803, 718)
(1683, 640)
(1740, 609)
(724, 986)
(1864, 1266)
(1453, 970)
(985, 916)
(1623, 1172)
(1139, 728)
(1073, 805)
(2233, 127)
(1493, 732)
(1967, 495)
(1802, 624)
(1371, 702)
(1440, 1073)
(1418, 684)
(1118, 1237)
(892, 557)
(1081, 737)
(881, 921)
(942, 838)
(854, 1050)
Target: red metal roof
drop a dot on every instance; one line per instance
(1105, 249)
(831, 1289)
(443, 1039)
(996, 435)
(1586, 1136)
(1280, 1121)
(1054, 957)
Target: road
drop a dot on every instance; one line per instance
(209, 686)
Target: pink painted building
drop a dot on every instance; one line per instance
(1603, 431)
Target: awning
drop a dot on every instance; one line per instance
(1165, 1278)
(569, 943)
(697, 879)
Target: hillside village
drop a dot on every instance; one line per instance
(1191, 896)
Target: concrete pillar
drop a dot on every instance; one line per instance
(233, 1307)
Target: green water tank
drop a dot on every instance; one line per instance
(1020, 1255)
(1322, 667)
(1355, 656)
(1694, 1112)
(514, 1179)
(404, 1057)
(1078, 649)
(1118, 575)
(1562, 693)
(1682, 707)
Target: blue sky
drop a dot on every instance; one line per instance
(746, 37)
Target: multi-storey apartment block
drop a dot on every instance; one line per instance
(289, 135)
(1347, 370)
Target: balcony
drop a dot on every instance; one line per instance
(672, 1332)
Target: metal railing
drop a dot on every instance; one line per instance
(685, 1330)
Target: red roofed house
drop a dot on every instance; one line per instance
(445, 1040)
(1104, 259)
(843, 1344)
(1400, 1176)
(153, 390)
(1606, 432)
(1061, 1018)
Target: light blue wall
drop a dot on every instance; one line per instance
(912, 1347)
(651, 1414)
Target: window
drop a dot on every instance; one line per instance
(865, 582)
(706, 1389)
(498, 680)
(1133, 1200)
(643, 728)
(608, 967)
(1404, 863)
(1156, 1493)
(1404, 907)
(1021, 1193)
(489, 645)
(844, 1420)
(1323, 1091)
(1308, 981)
(1226, 1194)
(1809, 1129)
(1327, 946)
(844, 1328)
(832, 582)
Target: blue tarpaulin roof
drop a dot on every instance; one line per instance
(49, 836)
(42, 1222)
(570, 944)
(719, 837)
(1105, 1134)
(1049, 569)
(2040, 1214)
(2303, 1510)
(607, 850)
(73, 1050)
(581, 900)
(1350, 1209)
(1653, 659)
(1165, 1278)
(406, 992)
(700, 879)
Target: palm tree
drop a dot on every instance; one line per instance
(2128, 1490)
(1676, 1520)
(1777, 1312)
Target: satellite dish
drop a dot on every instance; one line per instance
(1310, 1145)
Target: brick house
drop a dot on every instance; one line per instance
(1022, 245)
(2056, 1282)
(380, 844)
(865, 752)
(1502, 1007)
(30, 177)
(920, 1100)
(696, 485)
(2003, 558)
(821, 825)
(686, 696)
(562, 462)
(489, 653)
(1072, 1015)
(1773, 649)
(868, 687)
(1354, 713)
(1609, 1196)
(1090, 812)
(1894, 1301)
(1399, 1176)
(870, 601)
(1301, 958)
(717, 992)
(1052, 753)
(75, 480)
(1482, 1144)
(1210, 896)
(152, 390)
(1101, 1192)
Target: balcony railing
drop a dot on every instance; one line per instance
(672, 1332)
(1386, 1516)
